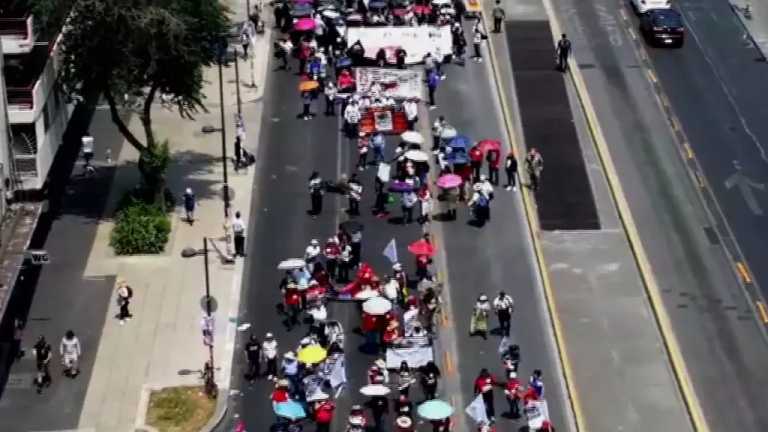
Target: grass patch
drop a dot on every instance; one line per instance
(180, 409)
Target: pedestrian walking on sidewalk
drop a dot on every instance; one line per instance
(43, 354)
(70, 351)
(437, 129)
(245, 42)
(536, 382)
(562, 51)
(124, 295)
(238, 229)
(430, 374)
(252, 352)
(238, 153)
(498, 16)
(269, 351)
(316, 191)
(534, 165)
(87, 142)
(478, 325)
(513, 390)
(510, 167)
(407, 201)
(476, 162)
(504, 305)
(189, 205)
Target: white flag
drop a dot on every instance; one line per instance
(391, 251)
(338, 374)
(476, 410)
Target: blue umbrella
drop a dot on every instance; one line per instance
(377, 5)
(435, 410)
(459, 158)
(291, 410)
(462, 141)
(344, 62)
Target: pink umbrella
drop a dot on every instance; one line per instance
(304, 24)
(449, 181)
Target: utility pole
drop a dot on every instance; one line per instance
(237, 86)
(225, 189)
(210, 383)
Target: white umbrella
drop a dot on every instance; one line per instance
(331, 14)
(412, 137)
(448, 132)
(416, 155)
(377, 306)
(291, 264)
(367, 294)
(374, 390)
(441, 2)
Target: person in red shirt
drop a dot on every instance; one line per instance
(392, 332)
(280, 393)
(530, 395)
(292, 301)
(475, 161)
(324, 415)
(484, 384)
(513, 390)
(493, 157)
(370, 328)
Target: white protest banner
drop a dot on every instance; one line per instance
(416, 41)
(397, 83)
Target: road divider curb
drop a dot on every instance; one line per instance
(533, 229)
(653, 292)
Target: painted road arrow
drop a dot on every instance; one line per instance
(745, 186)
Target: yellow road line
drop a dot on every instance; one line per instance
(649, 280)
(763, 312)
(675, 124)
(448, 362)
(533, 227)
(688, 150)
(700, 180)
(743, 272)
(652, 76)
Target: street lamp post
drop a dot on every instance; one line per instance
(237, 86)
(225, 188)
(207, 323)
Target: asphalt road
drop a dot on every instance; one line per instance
(56, 297)
(478, 260)
(721, 340)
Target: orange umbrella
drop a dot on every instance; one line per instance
(308, 85)
(421, 247)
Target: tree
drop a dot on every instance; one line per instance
(131, 50)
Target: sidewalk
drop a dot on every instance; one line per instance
(165, 337)
(608, 337)
(754, 15)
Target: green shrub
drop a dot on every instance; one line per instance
(140, 228)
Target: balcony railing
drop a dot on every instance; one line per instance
(19, 27)
(21, 98)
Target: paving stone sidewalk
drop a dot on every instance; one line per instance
(754, 15)
(164, 338)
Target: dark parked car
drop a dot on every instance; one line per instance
(663, 27)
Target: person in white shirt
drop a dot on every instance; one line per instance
(437, 129)
(411, 109)
(352, 118)
(238, 229)
(503, 304)
(312, 252)
(409, 199)
(70, 351)
(269, 351)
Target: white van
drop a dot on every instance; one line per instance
(642, 6)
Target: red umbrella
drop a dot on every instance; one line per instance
(489, 144)
(421, 247)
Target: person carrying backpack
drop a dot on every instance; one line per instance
(562, 51)
(124, 295)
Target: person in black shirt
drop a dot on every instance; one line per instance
(43, 355)
(562, 51)
(253, 356)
